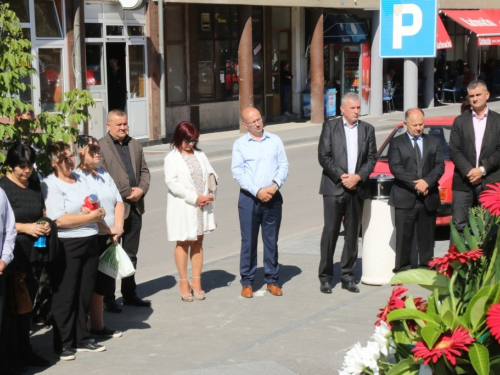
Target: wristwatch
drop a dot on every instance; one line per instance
(483, 171)
(276, 186)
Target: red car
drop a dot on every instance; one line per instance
(439, 127)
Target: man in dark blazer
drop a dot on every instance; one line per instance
(475, 151)
(123, 158)
(417, 164)
(347, 153)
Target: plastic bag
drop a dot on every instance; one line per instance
(115, 263)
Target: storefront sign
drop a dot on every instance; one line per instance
(408, 28)
(488, 41)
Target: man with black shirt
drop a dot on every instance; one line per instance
(123, 157)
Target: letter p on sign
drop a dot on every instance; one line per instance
(401, 30)
(408, 28)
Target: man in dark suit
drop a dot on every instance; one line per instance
(347, 153)
(123, 158)
(417, 164)
(475, 151)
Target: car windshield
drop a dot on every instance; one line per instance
(442, 132)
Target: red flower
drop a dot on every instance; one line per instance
(448, 344)
(490, 198)
(444, 265)
(395, 302)
(493, 320)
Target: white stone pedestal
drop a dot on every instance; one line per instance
(379, 242)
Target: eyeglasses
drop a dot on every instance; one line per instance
(191, 141)
(254, 122)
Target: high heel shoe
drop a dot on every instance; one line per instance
(188, 297)
(197, 295)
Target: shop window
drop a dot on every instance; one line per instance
(176, 56)
(218, 52)
(21, 8)
(51, 78)
(137, 72)
(281, 17)
(114, 30)
(135, 30)
(94, 58)
(47, 23)
(93, 30)
(176, 73)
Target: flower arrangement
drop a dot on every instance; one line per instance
(456, 329)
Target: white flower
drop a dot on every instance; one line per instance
(383, 338)
(358, 359)
(370, 356)
(353, 364)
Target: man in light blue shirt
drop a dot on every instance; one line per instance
(260, 167)
(8, 235)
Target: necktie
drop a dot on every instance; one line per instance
(418, 156)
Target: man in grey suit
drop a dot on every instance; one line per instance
(123, 158)
(475, 151)
(347, 152)
(417, 163)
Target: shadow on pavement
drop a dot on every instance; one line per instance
(152, 287)
(286, 274)
(214, 279)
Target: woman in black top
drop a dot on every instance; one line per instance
(25, 197)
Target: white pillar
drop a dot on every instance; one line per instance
(376, 74)
(410, 84)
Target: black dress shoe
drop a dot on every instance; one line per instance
(350, 286)
(325, 287)
(136, 301)
(112, 306)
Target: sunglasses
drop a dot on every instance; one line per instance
(191, 141)
(94, 149)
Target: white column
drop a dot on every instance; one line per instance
(410, 84)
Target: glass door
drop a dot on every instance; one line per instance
(137, 103)
(51, 79)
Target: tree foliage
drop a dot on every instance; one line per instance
(47, 127)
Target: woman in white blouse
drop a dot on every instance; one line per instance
(110, 229)
(75, 267)
(190, 212)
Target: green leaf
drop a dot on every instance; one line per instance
(476, 310)
(480, 359)
(404, 314)
(473, 224)
(457, 239)
(405, 367)
(471, 241)
(425, 278)
(430, 335)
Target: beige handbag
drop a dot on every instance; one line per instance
(212, 183)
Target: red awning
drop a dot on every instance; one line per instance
(483, 22)
(443, 39)
(488, 41)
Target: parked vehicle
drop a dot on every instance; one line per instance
(439, 127)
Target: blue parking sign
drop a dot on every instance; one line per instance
(408, 28)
